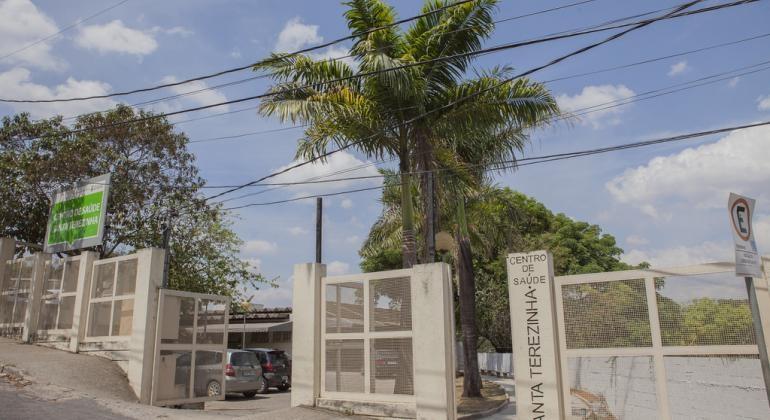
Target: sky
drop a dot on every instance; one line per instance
(665, 204)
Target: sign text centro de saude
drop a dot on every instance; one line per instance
(77, 216)
(533, 332)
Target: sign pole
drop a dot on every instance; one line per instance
(759, 334)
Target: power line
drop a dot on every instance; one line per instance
(67, 28)
(249, 79)
(637, 63)
(635, 25)
(240, 68)
(528, 72)
(536, 160)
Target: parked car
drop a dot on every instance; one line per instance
(276, 368)
(243, 374)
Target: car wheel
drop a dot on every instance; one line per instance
(214, 389)
(262, 389)
(283, 387)
(249, 394)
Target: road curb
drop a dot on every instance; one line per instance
(485, 413)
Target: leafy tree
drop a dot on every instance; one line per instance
(501, 221)
(153, 176)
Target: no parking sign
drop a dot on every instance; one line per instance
(747, 261)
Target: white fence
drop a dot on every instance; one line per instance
(670, 343)
(374, 344)
(110, 308)
(190, 348)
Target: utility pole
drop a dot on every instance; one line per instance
(319, 204)
(166, 246)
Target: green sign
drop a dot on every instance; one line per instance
(75, 219)
(77, 216)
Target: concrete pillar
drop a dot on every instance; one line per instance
(7, 249)
(87, 259)
(306, 334)
(32, 314)
(141, 347)
(433, 341)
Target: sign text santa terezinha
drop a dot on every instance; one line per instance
(77, 216)
(533, 332)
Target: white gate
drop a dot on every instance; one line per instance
(366, 344)
(670, 343)
(190, 348)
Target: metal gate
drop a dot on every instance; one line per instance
(366, 337)
(15, 293)
(190, 348)
(670, 343)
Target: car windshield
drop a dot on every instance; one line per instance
(243, 358)
(279, 358)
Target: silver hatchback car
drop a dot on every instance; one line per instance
(243, 373)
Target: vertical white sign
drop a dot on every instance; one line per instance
(747, 260)
(533, 330)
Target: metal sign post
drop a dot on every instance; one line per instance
(748, 265)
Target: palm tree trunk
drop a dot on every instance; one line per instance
(408, 244)
(425, 165)
(467, 295)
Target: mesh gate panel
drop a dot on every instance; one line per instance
(612, 388)
(606, 314)
(391, 366)
(344, 365)
(704, 310)
(345, 308)
(390, 306)
(717, 387)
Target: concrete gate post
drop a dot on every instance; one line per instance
(83, 290)
(306, 334)
(7, 249)
(149, 277)
(433, 341)
(32, 312)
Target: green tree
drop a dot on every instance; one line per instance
(153, 176)
(501, 221)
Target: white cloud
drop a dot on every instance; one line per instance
(636, 240)
(115, 37)
(17, 83)
(681, 255)
(235, 53)
(678, 68)
(22, 23)
(204, 97)
(353, 239)
(346, 203)
(763, 103)
(342, 161)
(275, 297)
(761, 225)
(176, 30)
(337, 268)
(258, 247)
(296, 35)
(700, 177)
(734, 81)
(595, 96)
(296, 231)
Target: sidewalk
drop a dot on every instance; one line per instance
(63, 385)
(509, 412)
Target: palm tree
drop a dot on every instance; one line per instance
(383, 108)
(428, 116)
